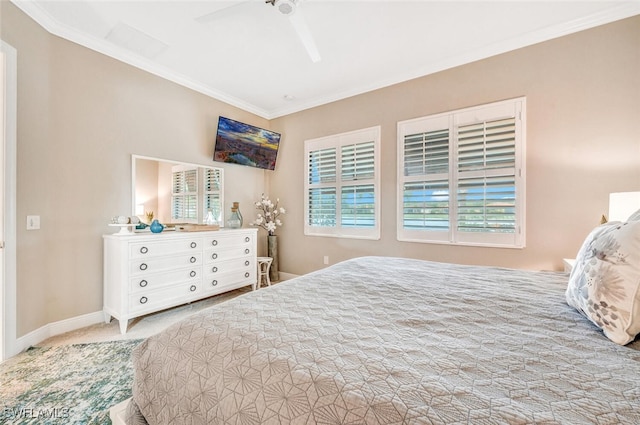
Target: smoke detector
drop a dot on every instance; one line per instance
(286, 7)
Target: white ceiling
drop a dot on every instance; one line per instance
(249, 55)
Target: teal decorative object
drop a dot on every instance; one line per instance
(156, 227)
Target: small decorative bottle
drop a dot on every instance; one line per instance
(234, 220)
(236, 205)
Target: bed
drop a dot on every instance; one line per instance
(381, 340)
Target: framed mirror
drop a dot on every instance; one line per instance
(176, 192)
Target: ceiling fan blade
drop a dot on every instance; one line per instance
(300, 25)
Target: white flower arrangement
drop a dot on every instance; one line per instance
(268, 215)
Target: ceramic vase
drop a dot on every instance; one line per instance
(272, 251)
(156, 227)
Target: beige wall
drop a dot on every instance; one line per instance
(81, 115)
(583, 141)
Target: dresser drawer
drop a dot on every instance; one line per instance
(151, 281)
(170, 296)
(155, 264)
(218, 254)
(159, 248)
(217, 282)
(246, 264)
(228, 241)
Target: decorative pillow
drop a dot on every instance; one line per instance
(635, 216)
(604, 284)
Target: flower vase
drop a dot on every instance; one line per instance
(272, 251)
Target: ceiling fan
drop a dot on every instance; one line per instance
(287, 8)
(291, 9)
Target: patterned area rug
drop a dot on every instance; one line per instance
(70, 384)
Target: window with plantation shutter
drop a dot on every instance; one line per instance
(184, 194)
(213, 193)
(461, 176)
(342, 185)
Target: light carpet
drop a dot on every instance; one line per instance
(74, 378)
(70, 384)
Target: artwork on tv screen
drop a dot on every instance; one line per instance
(245, 144)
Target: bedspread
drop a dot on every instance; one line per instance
(380, 340)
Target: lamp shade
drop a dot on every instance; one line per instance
(622, 205)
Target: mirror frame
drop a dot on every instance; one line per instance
(134, 157)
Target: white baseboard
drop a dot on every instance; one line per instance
(286, 276)
(67, 325)
(56, 328)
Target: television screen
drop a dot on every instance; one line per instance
(245, 144)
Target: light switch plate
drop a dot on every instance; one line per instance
(33, 222)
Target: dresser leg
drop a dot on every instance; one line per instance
(123, 326)
(107, 317)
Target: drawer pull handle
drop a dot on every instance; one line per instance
(143, 283)
(246, 263)
(214, 269)
(214, 256)
(193, 244)
(214, 282)
(246, 274)
(247, 239)
(143, 266)
(192, 288)
(246, 251)
(214, 242)
(143, 300)
(144, 250)
(193, 273)
(192, 260)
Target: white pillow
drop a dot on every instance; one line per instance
(604, 284)
(635, 216)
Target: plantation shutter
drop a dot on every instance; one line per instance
(184, 199)
(357, 161)
(358, 199)
(342, 185)
(425, 203)
(322, 192)
(213, 193)
(486, 197)
(322, 207)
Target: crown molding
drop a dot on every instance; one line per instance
(37, 13)
(45, 20)
(524, 40)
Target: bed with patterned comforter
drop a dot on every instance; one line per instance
(379, 340)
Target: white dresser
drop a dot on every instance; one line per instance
(148, 272)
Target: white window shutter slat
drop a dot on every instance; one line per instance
(322, 207)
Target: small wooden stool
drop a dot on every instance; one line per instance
(264, 264)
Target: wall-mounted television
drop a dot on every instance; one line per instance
(240, 143)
